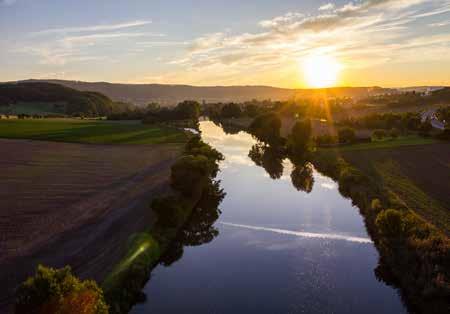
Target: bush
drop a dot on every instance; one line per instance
(326, 139)
(346, 135)
(379, 134)
(58, 291)
(390, 223)
(394, 133)
(189, 172)
(169, 211)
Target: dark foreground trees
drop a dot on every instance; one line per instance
(53, 291)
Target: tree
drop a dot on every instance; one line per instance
(390, 223)
(268, 157)
(251, 110)
(55, 291)
(302, 177)
(379, 134)
(231, 110)
(266, 128)
(190, 172)
(346, 135)
(188, 110)
(300, 138)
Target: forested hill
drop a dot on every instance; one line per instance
(63, 99)
(172, 94)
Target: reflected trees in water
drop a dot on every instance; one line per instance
(271, 159)
(302, 177)
(200, 227)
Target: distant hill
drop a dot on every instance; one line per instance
(47, 98)
(141, 94)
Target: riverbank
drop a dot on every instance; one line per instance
(191, 176)
(414, 254)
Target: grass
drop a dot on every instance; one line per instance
(394, 143)
(88, 131)
(418, 176)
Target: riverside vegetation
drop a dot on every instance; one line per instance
(192, 177)
(414, 254)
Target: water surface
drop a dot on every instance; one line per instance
(281, 247)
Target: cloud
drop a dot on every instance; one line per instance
(326, 7)
(94, 28)
(439, 24)
(343, 31)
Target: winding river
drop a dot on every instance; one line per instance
(278, 246)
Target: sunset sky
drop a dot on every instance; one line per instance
(284, 43)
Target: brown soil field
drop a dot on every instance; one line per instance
(74, 204)
(419, 175)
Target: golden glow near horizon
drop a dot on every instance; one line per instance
(321, 71)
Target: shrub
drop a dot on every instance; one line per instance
(169, 211)
(394, 133)
(346, 135)
(390, 223)
(326, 139)
(379, 134)
(58, 291)
(189, 172)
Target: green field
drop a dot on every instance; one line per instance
(418, 176)
(88, 131)
(393, 143)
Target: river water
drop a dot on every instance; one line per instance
(277, 246)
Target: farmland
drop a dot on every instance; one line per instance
(77, 204)
(89, 131)
(418, 175)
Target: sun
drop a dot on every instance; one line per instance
(321, 70)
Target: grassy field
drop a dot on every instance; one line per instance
(88, 131)
(390, 143)
(419, 176)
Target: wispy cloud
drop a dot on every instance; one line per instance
(364, 33)
(326, 7)
(94, 28)
(439, 24)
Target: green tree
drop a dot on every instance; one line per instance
(390, 223)
(231, 110)
(266, 128)
(346, 135)
(188, 110)
(57, 291)
(300, 138)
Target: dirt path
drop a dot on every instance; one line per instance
(74, 204)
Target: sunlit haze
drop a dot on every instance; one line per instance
(286, 43)
(320, 71)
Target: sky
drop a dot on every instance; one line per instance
(285, 43)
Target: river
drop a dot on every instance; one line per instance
(277, 247)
